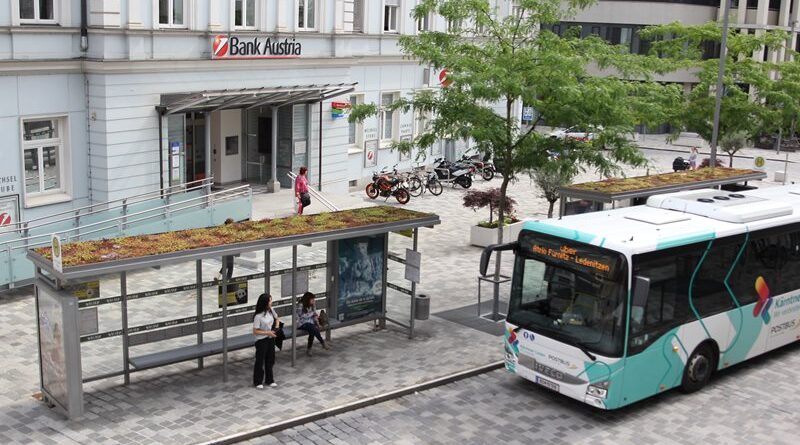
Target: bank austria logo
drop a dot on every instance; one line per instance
(236, 47)
(764, 300)
(220, 46)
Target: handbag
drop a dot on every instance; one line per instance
(280, 336)
(305, 199)
(323, 319)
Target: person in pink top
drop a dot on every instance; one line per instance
(301, 190)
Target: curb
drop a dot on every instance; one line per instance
(352, 406)
(643, 147)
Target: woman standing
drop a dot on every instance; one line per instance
(308, 320)
(693, 159)
(301, 190)
(263, 322)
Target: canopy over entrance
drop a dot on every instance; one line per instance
(215, 100)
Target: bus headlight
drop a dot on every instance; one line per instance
(599, 389)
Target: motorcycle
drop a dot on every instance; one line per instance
(386, 185)
(454, 172)
(482, 166)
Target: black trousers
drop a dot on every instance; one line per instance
(265, 358)
(313, 331)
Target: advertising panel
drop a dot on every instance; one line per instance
(9, 212)
(59, 350)
(237, 294)
(371, 153)
(360, 290)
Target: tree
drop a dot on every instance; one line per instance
(558, 172)
(493, 63)
(731, 143)
(752, 101)
(478, 199)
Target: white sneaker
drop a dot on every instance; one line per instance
(259, 386)
(273, 384)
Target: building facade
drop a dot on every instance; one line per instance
(135, 95)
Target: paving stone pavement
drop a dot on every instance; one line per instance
(752, 403)
(181, 404)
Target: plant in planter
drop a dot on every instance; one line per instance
(484, 233)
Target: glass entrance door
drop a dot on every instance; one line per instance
(195, 147)
(258, 146)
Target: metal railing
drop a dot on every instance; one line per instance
(13, 251)
(319, 197)
(122, 203)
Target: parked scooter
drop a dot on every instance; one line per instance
(482, 166)
(454, 172)
(387, 184)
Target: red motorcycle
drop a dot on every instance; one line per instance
(388, 184)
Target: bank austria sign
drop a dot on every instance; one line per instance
(254, 47)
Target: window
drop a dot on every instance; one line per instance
(355, 133)
(37, 11)
(44, 154)
(423, 123)
(424, 23)
(454, 25)
(171, 13)
(516, 9)
(358, 15)
(244, 13)
(391, 14)
(387, 117)
(306, 15)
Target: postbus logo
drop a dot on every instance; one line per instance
(764, 300)
(220, 46)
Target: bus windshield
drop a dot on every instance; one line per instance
(571, 292)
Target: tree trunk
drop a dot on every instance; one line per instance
(730, 162)
(550, 210)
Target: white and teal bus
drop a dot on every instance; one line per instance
(612, 307)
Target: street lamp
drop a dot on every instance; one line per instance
(718, 102)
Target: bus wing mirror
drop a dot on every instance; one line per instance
(641, 289)
(487, 253)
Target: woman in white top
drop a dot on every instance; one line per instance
(264, 321)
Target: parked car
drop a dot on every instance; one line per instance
(575, 132)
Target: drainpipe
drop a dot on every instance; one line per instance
(84, 26)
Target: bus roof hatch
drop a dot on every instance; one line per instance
(721, 205)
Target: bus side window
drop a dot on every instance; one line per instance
(709, 294)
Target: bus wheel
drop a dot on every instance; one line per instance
(698, 369)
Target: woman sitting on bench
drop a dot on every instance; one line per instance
(308, 320)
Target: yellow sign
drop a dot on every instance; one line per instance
(759, 162)
(237, 294)
(86, 291)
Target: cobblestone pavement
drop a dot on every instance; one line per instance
(181, 404)
(748, 404)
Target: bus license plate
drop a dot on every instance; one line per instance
(547, 384)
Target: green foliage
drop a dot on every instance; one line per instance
(493, 62)
(732, 142)
(758, 96)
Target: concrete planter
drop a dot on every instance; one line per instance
(482, 237)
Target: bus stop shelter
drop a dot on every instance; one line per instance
(624, 192)
(356, 283)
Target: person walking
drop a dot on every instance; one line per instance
(301, 190)
(308, 320)
(693, 159)
(264, 321)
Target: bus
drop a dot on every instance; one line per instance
(612, 307)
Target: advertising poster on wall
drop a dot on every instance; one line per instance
(237, 294)
(407, 155)
(52, 349)
(9, 212)
(371, 153)
(360, 290)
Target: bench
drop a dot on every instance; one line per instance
(191, 352)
